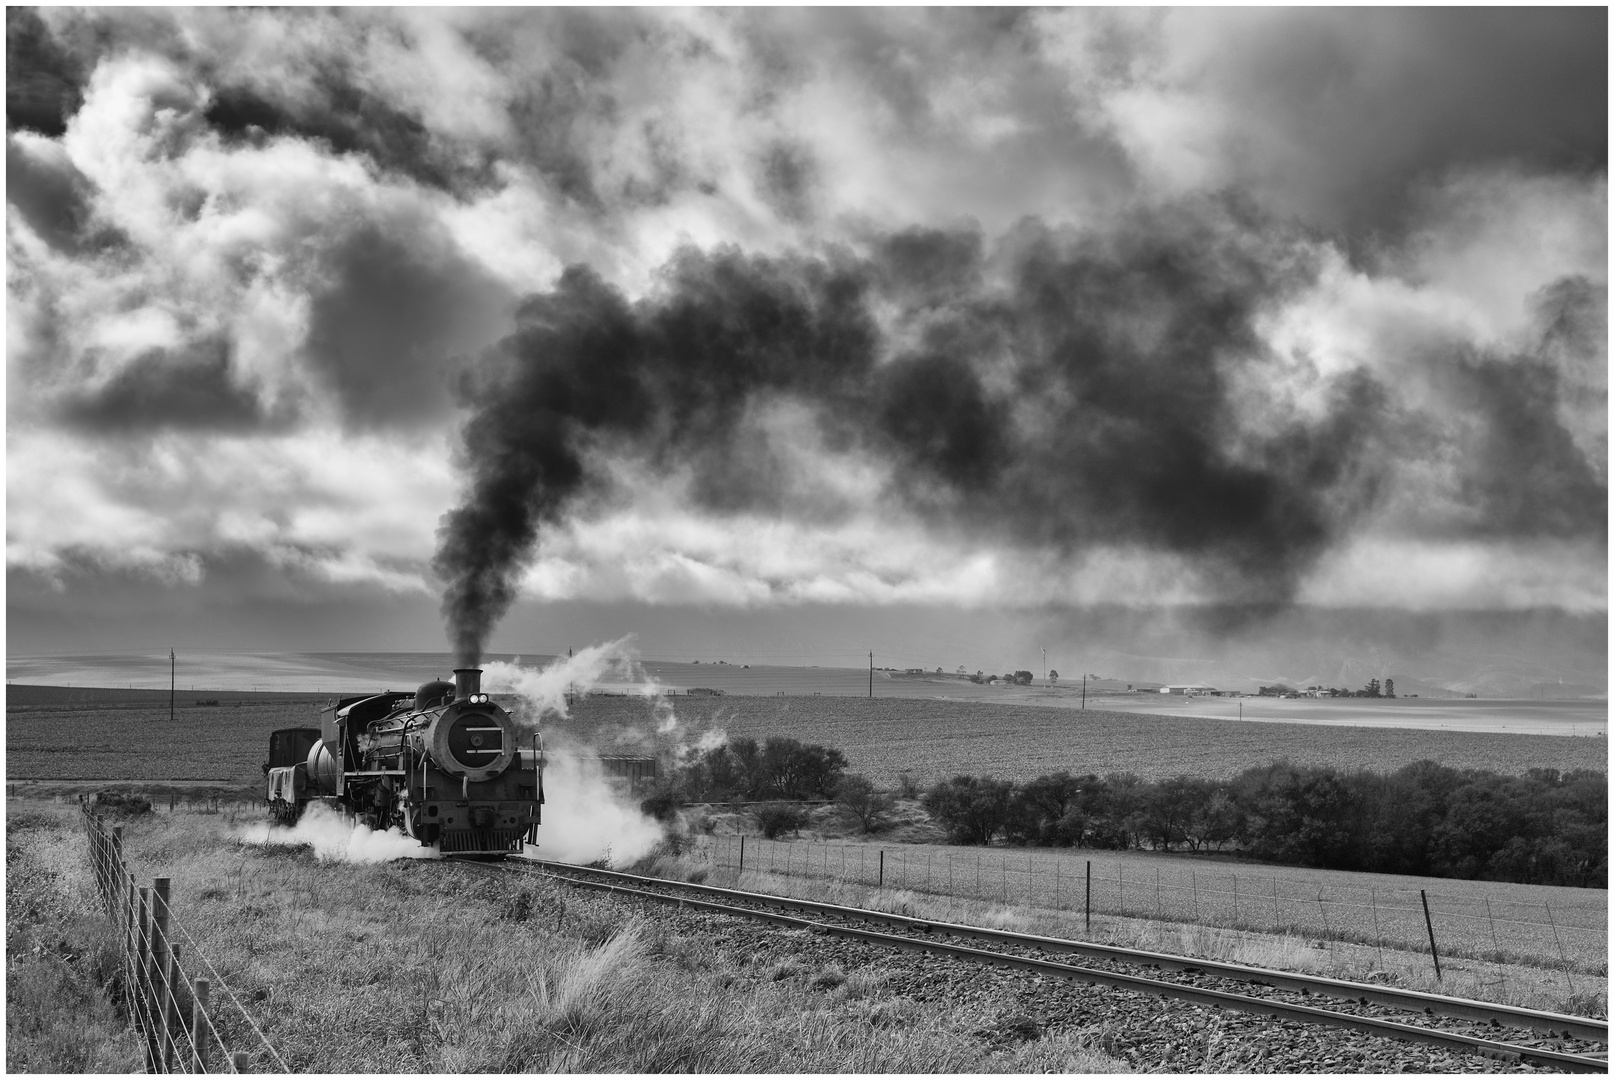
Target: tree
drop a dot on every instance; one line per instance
(1023, 678)
(1111, 810)
(796, 771)
(1043, 805)
(1053, 676)
(1170, 805)
(971, 809)
(1389, 688)
(819, 769)
(855, 794)
(1372, 688)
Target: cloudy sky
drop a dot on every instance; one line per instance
(785, 334)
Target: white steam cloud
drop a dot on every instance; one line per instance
(544, 690)
(335, 839)
(587, 816)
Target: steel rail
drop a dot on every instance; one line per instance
(1581, 1027)
(1195, 994)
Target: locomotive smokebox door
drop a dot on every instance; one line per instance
(472, 744)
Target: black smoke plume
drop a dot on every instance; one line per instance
(1062, 392)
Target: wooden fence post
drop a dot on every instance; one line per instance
(1430, 924)
(131, 941)
(882, 870)
(171, 1022)
(199, 1045)
(1090, 894)
(97, 855)
(143, 993)
(742, 853)
(160, 952)
(116, 869)
(238, 1061)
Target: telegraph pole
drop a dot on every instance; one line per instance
(171, 670)
(871, 673)
(1084, 688)
(1045, 665)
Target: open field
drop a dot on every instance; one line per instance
(224, 743)
(935, 739)
(105, 740)
(441, 967)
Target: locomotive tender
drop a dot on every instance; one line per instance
(444, 765)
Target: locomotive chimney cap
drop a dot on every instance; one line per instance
(467, 682)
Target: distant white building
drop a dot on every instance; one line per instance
(1188, 688)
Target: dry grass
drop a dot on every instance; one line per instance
(1538, 986)
(445, 967)
(62, 971)
(1548, 926)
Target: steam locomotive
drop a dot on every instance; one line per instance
(444, 765)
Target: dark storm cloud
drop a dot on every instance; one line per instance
(1341, 115)
(350, 120)
(193, 389)
(1086, 403)
(52, 195)
(403, 304)
(1522, 473)
(44, 81)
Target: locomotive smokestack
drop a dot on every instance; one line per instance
(467, 681)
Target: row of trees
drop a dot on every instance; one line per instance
(1019, 678)
(1542, 828)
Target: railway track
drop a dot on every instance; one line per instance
(1577, 1044)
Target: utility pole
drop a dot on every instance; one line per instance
(1045, 665)
(171, 669)
(1084, 689)
(871, 673)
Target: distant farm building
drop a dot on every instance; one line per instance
(1188, 688)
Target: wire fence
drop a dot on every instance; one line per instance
(1573, 937)
(184, 1026)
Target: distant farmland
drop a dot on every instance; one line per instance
(92, 736)
(934, 739)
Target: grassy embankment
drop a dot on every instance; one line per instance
(443, 967)
(1181, 903)
(62, 967)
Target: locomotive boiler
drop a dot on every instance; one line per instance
(445, 765)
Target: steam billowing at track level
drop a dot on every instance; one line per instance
(1063, 392)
